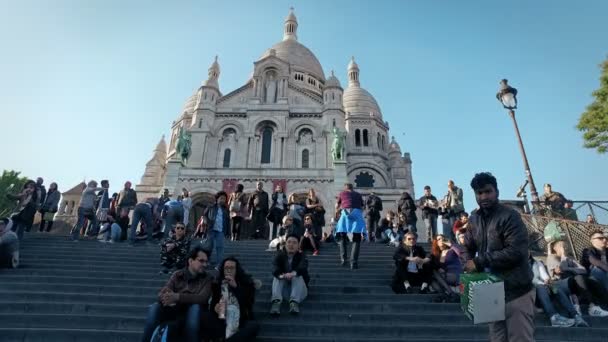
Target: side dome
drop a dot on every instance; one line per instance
(332, 81)
(359, 101)
(190, 104)
(298, 56)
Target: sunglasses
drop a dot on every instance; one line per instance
(180, 227)
(410, 239)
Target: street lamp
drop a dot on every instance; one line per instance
(507, 95)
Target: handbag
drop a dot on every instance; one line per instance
(207, 243)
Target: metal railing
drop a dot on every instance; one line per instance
(576, 232)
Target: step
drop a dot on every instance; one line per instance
(68, 335)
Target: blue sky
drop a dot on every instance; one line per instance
(87, 88)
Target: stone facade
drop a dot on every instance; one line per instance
(277, 128)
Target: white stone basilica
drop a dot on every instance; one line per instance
(277, 128)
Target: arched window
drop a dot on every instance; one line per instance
(383, 143)
(305, 163)
(357, 137)
(364, 180)
(378, 141)
(365, 138)
(227, 154)
(266, 145)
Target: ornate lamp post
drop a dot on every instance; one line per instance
(507, 95)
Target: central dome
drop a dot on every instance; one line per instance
(298, 56)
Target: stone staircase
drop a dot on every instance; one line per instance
(88, 291)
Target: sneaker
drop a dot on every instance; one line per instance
(424, 290)
(580, 322)
(294, 308)
(275, 309)
(315, 253)
(577, 307)
(561, 321)
(354, 266)
(409, 290)
(596, 311)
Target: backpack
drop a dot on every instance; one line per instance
(553, 232)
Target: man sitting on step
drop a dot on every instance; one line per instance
(413, 267)
(174, 250)
(182, 298)
(290, 271)
(9, 245)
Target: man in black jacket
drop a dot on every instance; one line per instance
(412, 267)
(258, 210)
(429, 206)
(373, 204)
(290, 271)
(499, 238)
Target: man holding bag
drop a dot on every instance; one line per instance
(498, 240)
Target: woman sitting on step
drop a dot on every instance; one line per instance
(230, 317)
(447, 268)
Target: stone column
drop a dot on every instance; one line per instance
(340, 177)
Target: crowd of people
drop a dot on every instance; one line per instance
(208, 290)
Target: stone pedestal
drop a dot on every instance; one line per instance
(171, 177)
(340, 178)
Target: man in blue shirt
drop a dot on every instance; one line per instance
(173, 212)
(217, 222)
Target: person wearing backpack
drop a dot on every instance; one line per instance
(373, 204)
(237, 207)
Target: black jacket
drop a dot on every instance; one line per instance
(244, 293)
(211, 214)
(426, 210)
(590, 252)
(407, 206)
(404, 251)
(500, 240)
(299, 264)
(373, 204)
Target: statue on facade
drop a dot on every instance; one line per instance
(337, 147)
(184, 145)
(271, 90)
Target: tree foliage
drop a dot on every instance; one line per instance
(594, 122)
(10, 182)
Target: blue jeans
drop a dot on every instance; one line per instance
(217, 243)
(82, 215)
(157, 314)
(543, 294)
(142, 212)
(600, 275)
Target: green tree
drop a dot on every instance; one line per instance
(594, 122)
(10, 182)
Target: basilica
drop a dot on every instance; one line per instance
(277, 128)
